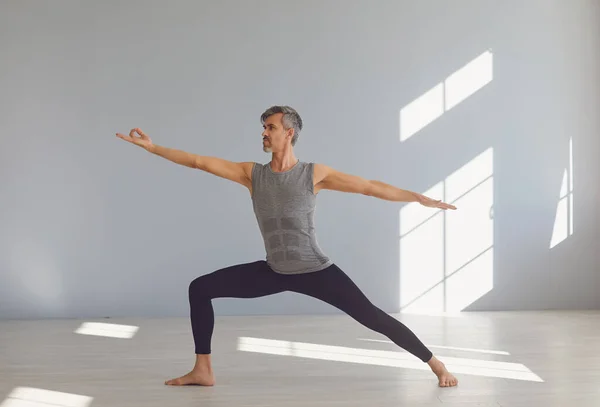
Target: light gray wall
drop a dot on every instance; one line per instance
(93, 227)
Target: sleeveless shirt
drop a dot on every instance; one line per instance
(284, 205)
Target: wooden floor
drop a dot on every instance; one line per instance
(522, 359)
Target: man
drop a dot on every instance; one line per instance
(283, 194)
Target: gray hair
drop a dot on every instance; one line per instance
(290, 119)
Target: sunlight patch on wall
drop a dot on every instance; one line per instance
(446, 95)
(563, 221)
(447, 258)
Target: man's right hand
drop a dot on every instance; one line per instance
(143, 140)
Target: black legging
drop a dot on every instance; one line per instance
(257, 279)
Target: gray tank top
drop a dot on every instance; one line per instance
(284, 204)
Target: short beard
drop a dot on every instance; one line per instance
(267, 149)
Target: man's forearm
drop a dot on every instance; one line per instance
(177, 156)
(388, 192)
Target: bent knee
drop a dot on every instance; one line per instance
(198, 288)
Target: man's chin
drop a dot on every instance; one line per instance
(267, 149)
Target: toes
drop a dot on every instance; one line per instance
(448, 382)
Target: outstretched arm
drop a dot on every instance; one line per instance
(328, 178)
(240, 172)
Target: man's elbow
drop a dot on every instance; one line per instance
(199, 163)
(379, 190)
(369, 188)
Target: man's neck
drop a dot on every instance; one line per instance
(283, 161)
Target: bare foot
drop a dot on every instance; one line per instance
(201, 374)
(446, 379)
(193, 378)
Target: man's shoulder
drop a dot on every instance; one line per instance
(320, 171)
(248, 167)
